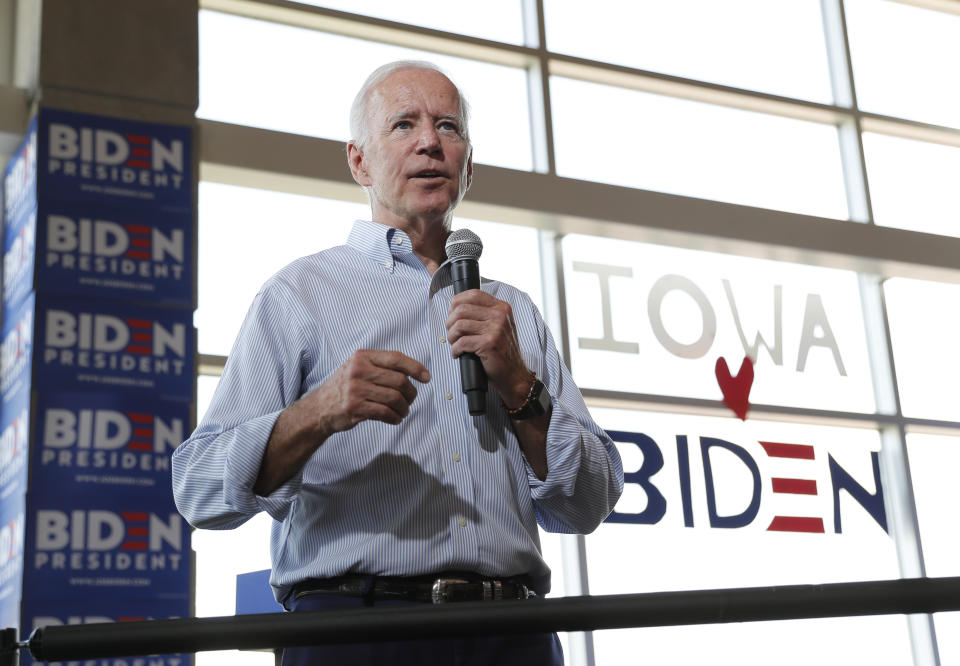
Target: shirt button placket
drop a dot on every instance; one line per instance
(453, 432)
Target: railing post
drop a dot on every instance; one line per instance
(9, 650)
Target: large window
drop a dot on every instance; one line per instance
(674, 183)
(937, 496)
(769, 47)
(298, 80)
(638, 139)
(911, 183)
(891, 43)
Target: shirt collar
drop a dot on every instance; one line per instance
(383, 244)
(379, 243)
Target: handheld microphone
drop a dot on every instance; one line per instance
(464, 249)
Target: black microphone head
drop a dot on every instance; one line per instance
(464, 244)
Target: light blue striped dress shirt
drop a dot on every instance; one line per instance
(443, 490)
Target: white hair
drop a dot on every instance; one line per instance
(358, 110)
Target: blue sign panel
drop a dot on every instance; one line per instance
(16, 351)
(93, 346)
(12, 517)
(20, 178)
(254, 594)
(124, 548)
(108, 160)
(19, 247)
(14, 444)
(105, 444)
(136, 254)
(96, 610)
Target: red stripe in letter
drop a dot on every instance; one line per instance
(776, 450)
(796, 524)
(795, 486)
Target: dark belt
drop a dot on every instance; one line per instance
(437, 589)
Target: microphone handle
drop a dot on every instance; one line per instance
(473, 378)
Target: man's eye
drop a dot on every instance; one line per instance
(403, 124)
(451, 126)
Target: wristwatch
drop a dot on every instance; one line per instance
(536, 403)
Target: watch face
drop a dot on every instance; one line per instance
(544, 399)
(540, 401)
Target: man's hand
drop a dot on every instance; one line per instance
(370, 385)
(481, 324)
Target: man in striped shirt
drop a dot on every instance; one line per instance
(339, 411)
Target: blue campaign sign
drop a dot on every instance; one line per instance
(254, 594)
(100, 609)
(91, 444)
(20, 177)
(106, 546)
(99, 159)
(19, 248)
(98, 346)
(16, 350)
(14, 444)
(12, 518)
(135, 254)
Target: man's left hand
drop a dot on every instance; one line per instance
(481, 324)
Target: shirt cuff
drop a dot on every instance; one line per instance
(564, 454)
(242, 468)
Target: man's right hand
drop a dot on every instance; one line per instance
(370, 385)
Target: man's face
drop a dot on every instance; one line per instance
(416, 162)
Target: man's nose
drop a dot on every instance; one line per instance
(428, 141)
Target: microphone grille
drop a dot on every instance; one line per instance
(464, 244)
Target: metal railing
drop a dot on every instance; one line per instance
(587, 613)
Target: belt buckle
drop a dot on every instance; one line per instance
(492, 590)
(441, 591)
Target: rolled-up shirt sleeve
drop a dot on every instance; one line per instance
(215, 469)
(584, 471)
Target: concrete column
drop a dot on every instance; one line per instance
(135, 59)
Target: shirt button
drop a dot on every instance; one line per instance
(448, 395)
(398, 240)
(456, 457)
(387, 264)
(462, 521)
(441, 339)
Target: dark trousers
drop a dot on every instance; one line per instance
(522, 650)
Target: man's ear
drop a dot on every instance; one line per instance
(357, 168)
(470, 169)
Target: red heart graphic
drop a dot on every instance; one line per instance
(736, 390)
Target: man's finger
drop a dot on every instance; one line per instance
(462, 327)
(394, 360)
(470, 311)
(475, 296)
(378, 411)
